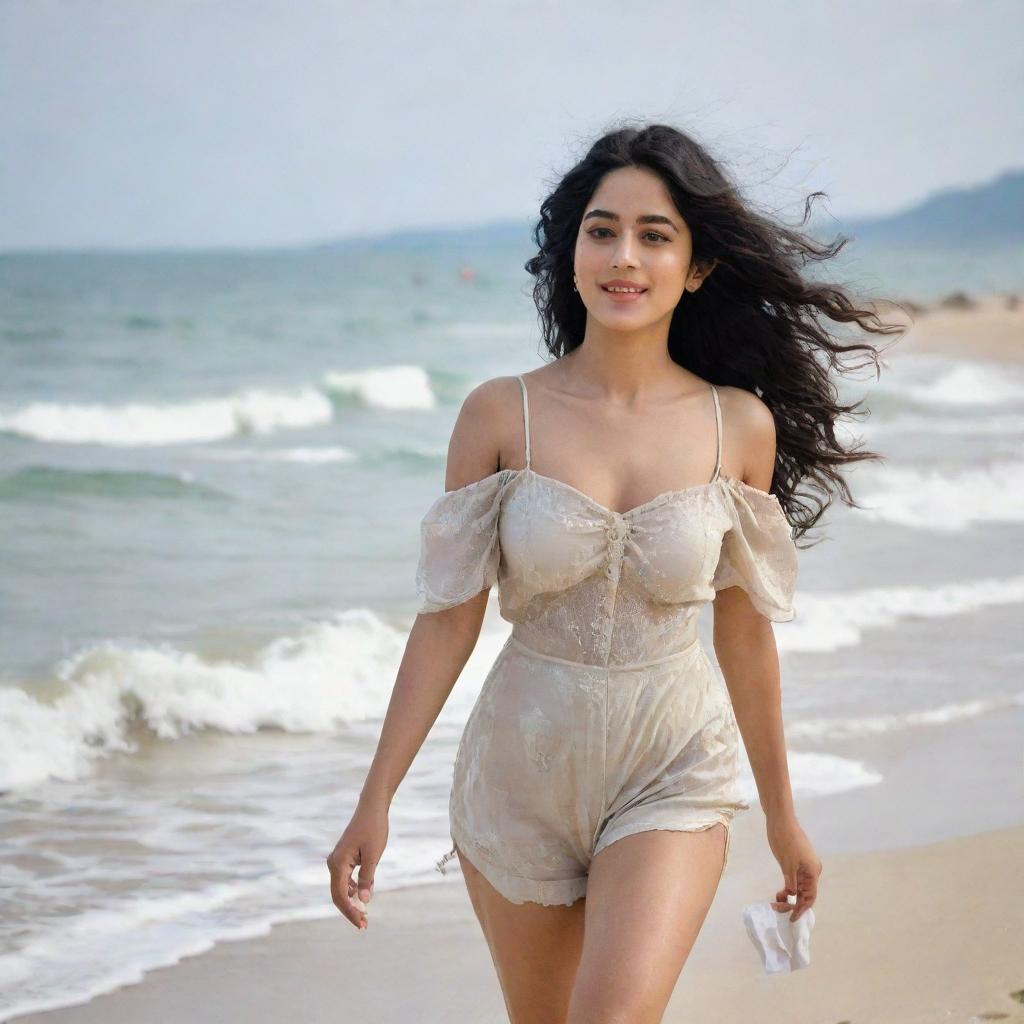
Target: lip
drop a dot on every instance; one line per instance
(622, 296)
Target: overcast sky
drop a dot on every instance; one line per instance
(152, 123)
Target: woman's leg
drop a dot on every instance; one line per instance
(535, 948)
(647, 897)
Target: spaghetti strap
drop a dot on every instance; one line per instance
(526, 418)
(718, 433)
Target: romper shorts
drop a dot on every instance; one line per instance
(559, 759)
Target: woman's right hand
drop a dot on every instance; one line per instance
(362, 843)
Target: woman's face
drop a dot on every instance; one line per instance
(631, 231)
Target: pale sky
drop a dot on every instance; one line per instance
(181, 123)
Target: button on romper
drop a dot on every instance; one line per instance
(601, 716)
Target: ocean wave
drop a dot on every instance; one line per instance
(828, 621)
(253, 411)
(947, 501)
(327, 676)
(969, 383)
(384, 387)
(336, 673)
(817, 774)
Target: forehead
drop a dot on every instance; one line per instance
(627, 188)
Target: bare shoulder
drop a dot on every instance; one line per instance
(749, 431)
(481, 430)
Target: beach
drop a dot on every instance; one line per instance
(986, 327)
(913, 935)
(901, 679)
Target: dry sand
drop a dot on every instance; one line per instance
(992, 329)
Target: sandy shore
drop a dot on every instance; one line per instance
(988, 327)
(916, 934)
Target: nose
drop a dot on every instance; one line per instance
(624, 251)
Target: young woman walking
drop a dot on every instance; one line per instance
(648, 469)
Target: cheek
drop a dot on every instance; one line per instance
(587, 256)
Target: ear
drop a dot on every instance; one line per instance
(702, 272)
(707, 268)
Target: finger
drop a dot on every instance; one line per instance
(803, 904)
(339, 895)
(366, 873)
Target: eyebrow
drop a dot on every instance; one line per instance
(648, 218)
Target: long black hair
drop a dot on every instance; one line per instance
(755, 321)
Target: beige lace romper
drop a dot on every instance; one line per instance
(601, 716)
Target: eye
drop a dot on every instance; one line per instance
(656, 234)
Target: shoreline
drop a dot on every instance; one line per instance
(906, 935)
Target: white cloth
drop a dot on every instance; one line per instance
(784, 945)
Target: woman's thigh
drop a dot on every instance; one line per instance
(535, 948)
(647, 897)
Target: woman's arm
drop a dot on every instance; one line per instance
(436, 651)
(440, 643)
(438, 647)
(744, 640)
(744, 643)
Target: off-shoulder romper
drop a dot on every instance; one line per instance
(601, 716)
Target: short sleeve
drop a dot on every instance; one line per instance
(459, 551)
(758, 553)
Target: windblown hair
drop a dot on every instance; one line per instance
(754, 323)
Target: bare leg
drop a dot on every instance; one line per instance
(647, 897)
(535, 948)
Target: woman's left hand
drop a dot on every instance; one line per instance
(800, 866)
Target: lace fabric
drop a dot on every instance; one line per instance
(598, 586)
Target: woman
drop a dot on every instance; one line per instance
(648, 469)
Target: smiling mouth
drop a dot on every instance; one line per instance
(631, 294)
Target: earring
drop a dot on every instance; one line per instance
(574, 283)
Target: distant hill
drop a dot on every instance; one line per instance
(982, 214)
(955, 216)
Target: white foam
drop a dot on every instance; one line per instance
(385, 387)
(811, 774)
(61, 966)
(940, 500)
(253, 411)
(827, 621)
(331, 674)
(968, 382)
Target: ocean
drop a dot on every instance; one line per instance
(212, 470)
